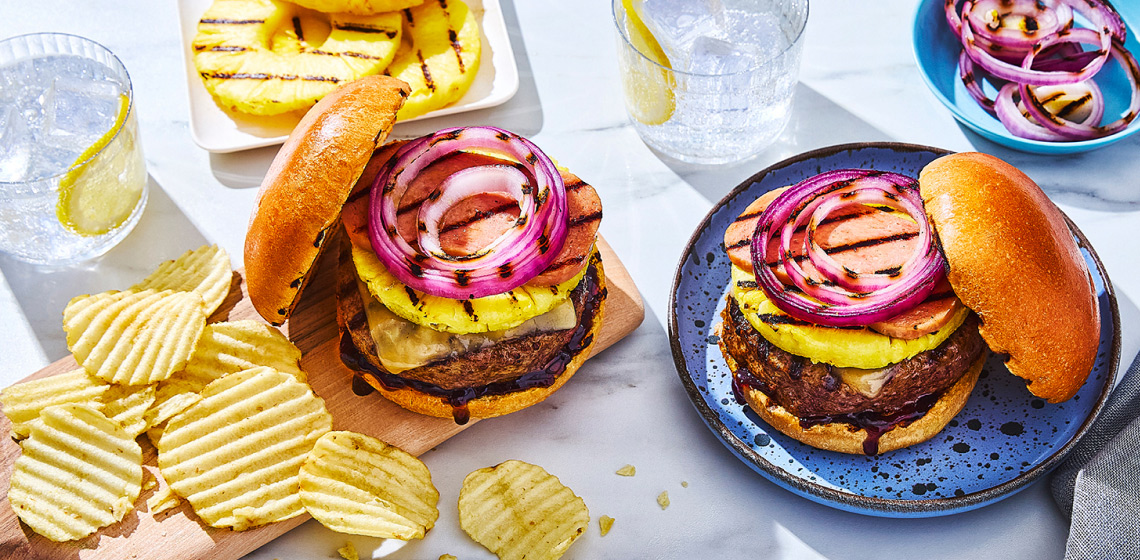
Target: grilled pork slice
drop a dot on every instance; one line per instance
(266, 57)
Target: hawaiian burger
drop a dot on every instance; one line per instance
(863, 303)
(469, 285)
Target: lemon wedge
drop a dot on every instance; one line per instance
(649, 86)
(97, 197)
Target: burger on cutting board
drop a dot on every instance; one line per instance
(469, 284)
(863, 303)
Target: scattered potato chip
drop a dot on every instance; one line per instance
(348, 551)
(605, 523)
(134, 338)
(128, 405)
(663, 499)
(240, 345)
(23, 402)
(205, 270)
(79, 471)
(518, 510)
(628, 470)
(447, 557)
(353, 483)
(235, 454)
(162, 500)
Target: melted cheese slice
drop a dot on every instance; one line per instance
(402, 344)
(841, 347)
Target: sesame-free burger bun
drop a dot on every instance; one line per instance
(307, 184)
(1013, 261)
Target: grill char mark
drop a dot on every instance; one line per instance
(428, 82)
(224, 21)
(263, 76)
(354, 28)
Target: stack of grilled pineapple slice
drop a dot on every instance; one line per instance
(267, 57)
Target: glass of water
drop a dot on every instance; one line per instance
(709, 81)
(73, 181)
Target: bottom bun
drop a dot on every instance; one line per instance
(845, 438)
(499, 404)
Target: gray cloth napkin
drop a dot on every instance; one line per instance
(1099, 483)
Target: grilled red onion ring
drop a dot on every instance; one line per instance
(1083, 130)
(1017, 120)
(518, 255)
(858, 299)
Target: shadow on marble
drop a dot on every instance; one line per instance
(521, 114)
(242, 170)
(163, 233)
(1065, 178)
(801, 135)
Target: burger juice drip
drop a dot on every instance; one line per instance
(368, 374)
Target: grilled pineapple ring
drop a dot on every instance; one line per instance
(438, 56)
(497, 312)
(266, 57)
(843, 347)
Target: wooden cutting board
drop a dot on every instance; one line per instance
(177, 534)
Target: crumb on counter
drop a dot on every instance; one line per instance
(605, 523)
(684, 484)
(628, 470)
(663, 499)
(348, 552)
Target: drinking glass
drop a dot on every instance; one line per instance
(709, 81)
(73, 181)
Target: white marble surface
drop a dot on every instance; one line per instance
(859, 83)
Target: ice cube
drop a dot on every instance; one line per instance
(78, 111)
(678, 23)
(15, 145)
(712, 56)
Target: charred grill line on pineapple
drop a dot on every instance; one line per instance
(455, 46)
(242, 76)
(220, 49)
(231, 21)
(426, 71)
(391, 33)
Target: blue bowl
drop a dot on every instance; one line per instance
(936, 49)
(1004, 438)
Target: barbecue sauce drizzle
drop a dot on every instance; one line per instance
(367, 374)
(874, 423)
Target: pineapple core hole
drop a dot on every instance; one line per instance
(306, 28)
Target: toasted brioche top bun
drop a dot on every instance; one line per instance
(489, 406)
(1014, 262)
(308, 183)
(845, 438)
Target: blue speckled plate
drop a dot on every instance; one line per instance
(1002, 440)
(936, 50)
